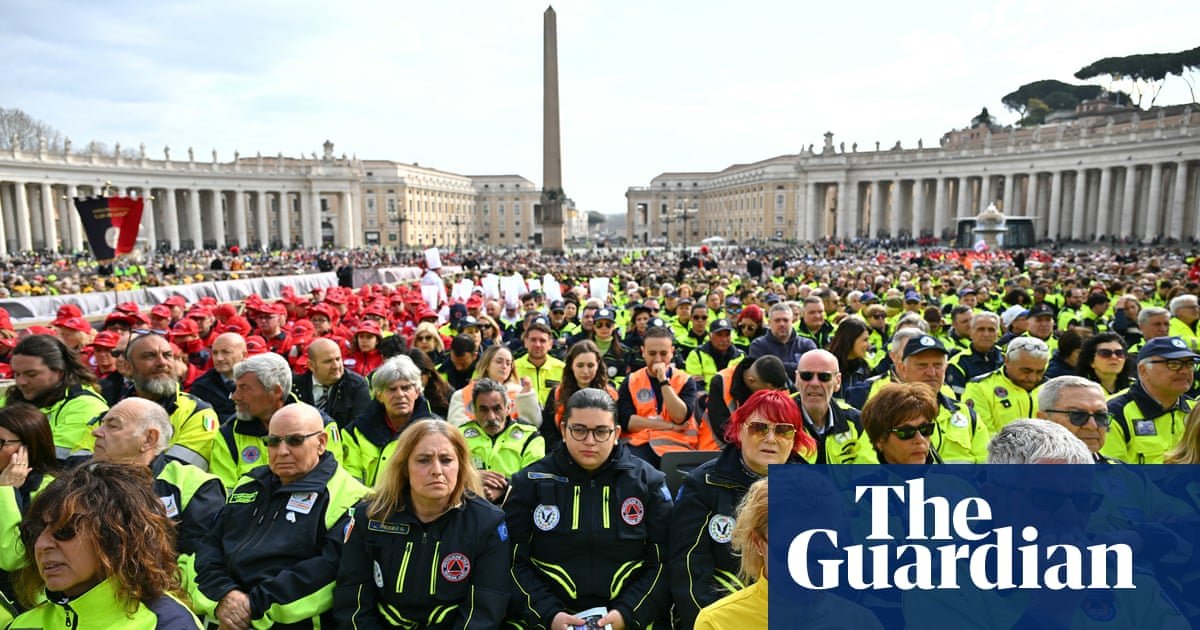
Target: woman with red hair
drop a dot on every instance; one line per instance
(766, 429)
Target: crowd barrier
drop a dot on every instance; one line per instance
(44, 307)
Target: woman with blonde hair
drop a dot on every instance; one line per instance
(426, 550)
(1188, 449)
(497, 364)
(427, 339)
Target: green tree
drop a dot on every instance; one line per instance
(1147, 72)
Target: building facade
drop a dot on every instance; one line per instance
(264, 202)
(1099, 175)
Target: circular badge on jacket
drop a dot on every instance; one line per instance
(632, 511)
(545, 517)
(720, 528)
(456, 567)
(250, 454)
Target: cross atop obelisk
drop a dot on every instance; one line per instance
(552, 193)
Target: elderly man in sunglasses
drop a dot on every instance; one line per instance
(1078, 405)
(1150, 416)
(272, 556)
(832, 423)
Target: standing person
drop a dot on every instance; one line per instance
(98, 554)
(51, 377)
(589, 527)
(439, 552)
(767, 429)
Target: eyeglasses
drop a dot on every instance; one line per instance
(1079, 417)
(424, 338)
(910, 432)
(580, 432)
(760, 430)
(5, 443)
(116, 353)
(700, 318)
(294, 439)
(1176, 365)
(1110, 353)
(879, 316)
(603, 324)
(824, 377)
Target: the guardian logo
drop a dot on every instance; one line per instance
(908, 555)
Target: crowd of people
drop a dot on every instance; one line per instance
(573, 453)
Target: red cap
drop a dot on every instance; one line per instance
(161, 311)
(41, 330)
(414, 298)
(74, 323)
(376, 310)
(67, 311)
(275, 308)
(334, 297)
(185, 327)
(369, 327)
(425, 313)
(224, 311)
(199, 312)
(255, 344)
(176, 300)
(128, 307)
(106, 339)
(323, 309)
(237, 324)
(475, 301)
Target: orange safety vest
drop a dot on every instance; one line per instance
(469, 402)
(697, 436)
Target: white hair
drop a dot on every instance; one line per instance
(1180, 301)
(1029, 441)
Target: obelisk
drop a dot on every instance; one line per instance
(552, 193)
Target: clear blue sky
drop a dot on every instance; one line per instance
(646, 87)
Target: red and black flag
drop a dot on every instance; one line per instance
(111, 224)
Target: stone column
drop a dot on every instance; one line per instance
(285, 219)
(262, 222)
(877, 208)
(1175, 216)
(813, 217)
(1104, 205)
(9, 216)
(918, 207)
(306, 221)
(1154, 210)
(195, 229)
(940, 218)
(1129, 201)
(1031, 196)
(49, 225)
(218, 214)
(347, 236)
(72, 222)
(1009, 184)
(963, 189)
(985, 192)
(24, 219)
(315, 197)
(5, 208)
(847, 225)
(171, 218)
(239, 218)
(1080, 206)
(148, 220)
(1052, 227)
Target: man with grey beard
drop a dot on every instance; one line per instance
(152, 373)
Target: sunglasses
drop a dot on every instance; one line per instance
(910, 432)
(700, 318)
(295, 439)
(65, 533)
(603, 324)
(1109, 353)
(1080, 418)
(760, 430)
(824, 377)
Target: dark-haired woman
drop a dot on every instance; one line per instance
(51, 377)
(27, 463)
(900, 421)
(766, 429)
(589, 527)
(1104, 359)
(436, 390)
(585, 367)
(99, 553)
(850, 344)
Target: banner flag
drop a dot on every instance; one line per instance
(111, 224)
(984, 546)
